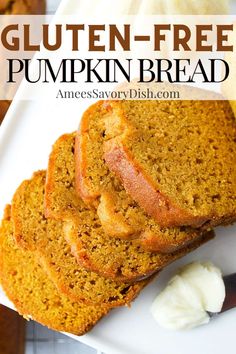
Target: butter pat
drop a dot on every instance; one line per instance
(197, 289)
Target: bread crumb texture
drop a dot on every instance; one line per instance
(185, 150)
(35, 296)
(45, 237)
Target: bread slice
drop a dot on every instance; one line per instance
(45, 237)
(118, 259)
(177, 159)
(34, 295)
(119, 214)
(113, 258)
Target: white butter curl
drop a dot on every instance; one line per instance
(197, 289)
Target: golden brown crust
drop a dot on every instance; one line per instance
(140, 187)
(50, 212)
(7, 213)
(81, 186)
(71, 205)
(114, 223)
(82, 138)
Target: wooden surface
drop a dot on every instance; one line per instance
(12, 332)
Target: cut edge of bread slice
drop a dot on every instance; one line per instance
(83, 256)
(140, 185)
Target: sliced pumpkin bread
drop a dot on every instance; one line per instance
(33, 293)
(177, 159)
(119, 214)
(110, 257)
(45, 237)
(118, 259)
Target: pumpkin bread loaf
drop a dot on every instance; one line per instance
(45, 237)
(34, 295)
(110, 257)
(177, 159)
(119, 214)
